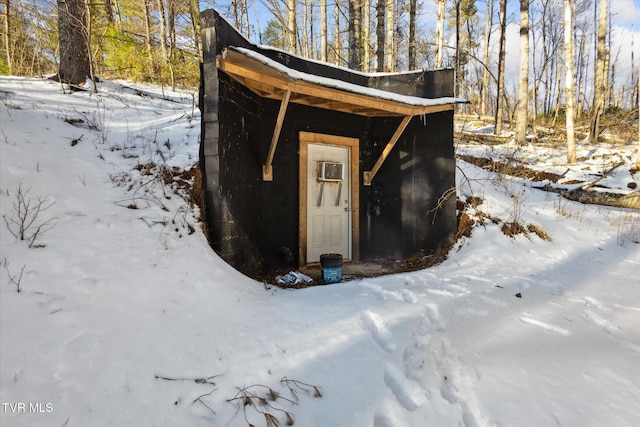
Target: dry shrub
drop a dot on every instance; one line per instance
(539, 232)
(512, 229)
(189, 185)
(465, 225)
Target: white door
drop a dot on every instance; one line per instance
(328, 204)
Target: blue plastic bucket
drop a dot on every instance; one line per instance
(331, 266)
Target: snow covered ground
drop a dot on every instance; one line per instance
(126, 317)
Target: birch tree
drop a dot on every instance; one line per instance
(523, 86)
(292, 28)
(569, 80)
(501, 55)
(440, 18)
(389, 49)
(600, 80)
(323, 30)
(366, 34)
(355, 34)
(484, 87)
(163, 30)
(147, 28)
(337, 42)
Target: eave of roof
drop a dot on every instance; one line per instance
(270, 79)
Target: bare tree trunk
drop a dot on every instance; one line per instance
(581, 67)
(292, 28)
(389, 49)
(501, 54)
(74, 64)
(413, 64)
(194, 15)
(247, 22)
(336, 33)
(108, 11)
(380, 34)
(7, 35)
(523, 87)
(163, 30)
(172, 40)
(89, 29)
(323, 30)
(600, 80)
(304, 48)
(147, 36)
(236, 18)
(366, 35)
(112, 12)
(458, 69)
(638, 155)
(355, 35)
(440, 18)
(484, 89)
(569, 80)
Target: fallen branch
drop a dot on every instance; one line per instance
(603, 176)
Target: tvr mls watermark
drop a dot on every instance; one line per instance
(27, 407)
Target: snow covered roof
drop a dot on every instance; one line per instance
(271, 79)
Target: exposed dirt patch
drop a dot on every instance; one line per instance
(510, 168)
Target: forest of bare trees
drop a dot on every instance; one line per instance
(158, 41)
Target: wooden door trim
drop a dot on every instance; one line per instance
(353, 144)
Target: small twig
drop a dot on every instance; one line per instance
(199, 399)
(302, 386)
(451, 191)
(206, 380)
(13, 279)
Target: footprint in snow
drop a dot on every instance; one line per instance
(382, 294)
(594, 303)
(600, 321)
(545, 326)
(380, 420)
(470, 312)
(433, 314)
(408, 392)
(380, 333)
(408, 296)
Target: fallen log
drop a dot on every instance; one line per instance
(586, 196)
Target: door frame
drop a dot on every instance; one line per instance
(353, 144)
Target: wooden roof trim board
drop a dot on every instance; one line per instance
(273, 80)
(267, 78)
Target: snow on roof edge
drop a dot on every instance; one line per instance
(345, 86)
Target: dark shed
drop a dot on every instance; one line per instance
(301, 158)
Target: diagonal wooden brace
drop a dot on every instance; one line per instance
(267, 169)
(368, 175)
